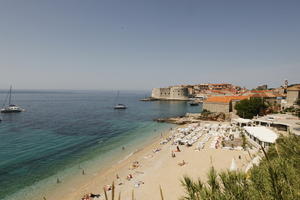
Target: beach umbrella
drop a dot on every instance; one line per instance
(233, 166)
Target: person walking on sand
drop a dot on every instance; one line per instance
(173, 154)
(57, 180)
(83, 173)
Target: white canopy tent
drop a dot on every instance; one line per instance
(261, 135)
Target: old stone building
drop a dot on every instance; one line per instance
(170, 93)
(271, 98)
(223, 104)
(293, 93)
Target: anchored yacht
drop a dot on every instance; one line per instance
(119, 105)
(11, 108)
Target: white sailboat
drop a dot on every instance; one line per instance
(11, 108)
(119, 106)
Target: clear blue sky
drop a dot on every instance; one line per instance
(140, 44)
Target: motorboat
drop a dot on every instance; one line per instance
(193, 103)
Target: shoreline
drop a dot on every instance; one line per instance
(69, 180)
(156, 169)
(119, 168)
(107, 175)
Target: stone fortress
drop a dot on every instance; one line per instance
(170, 93)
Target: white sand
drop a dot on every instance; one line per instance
(157, 169)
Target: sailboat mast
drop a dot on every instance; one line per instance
(9, 101)
(117, 98)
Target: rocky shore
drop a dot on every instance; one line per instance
(194, 118)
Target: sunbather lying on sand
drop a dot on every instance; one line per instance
(156, 150)
(121, 183)
(107, 188)
(90, 196)
(182, 163)
(134, 165)
(138, 183)
(129, 177)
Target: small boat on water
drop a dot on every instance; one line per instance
(11, 108)
(119, 106)
(193, 103)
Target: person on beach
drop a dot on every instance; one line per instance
(107, 188)
(83, 173)
(178, 150)
(57, 180)
(173, 154)
(123, 148)
(182, 163)
(129, 177)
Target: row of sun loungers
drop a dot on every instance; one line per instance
(193, 132)
(202, 143)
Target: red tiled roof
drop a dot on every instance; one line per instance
(266, 95)
(225, 99)
(218, 91)
(261, 91)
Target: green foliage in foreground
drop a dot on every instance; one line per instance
(276, 178)
(248, 108)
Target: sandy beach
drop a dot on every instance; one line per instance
(155, 169)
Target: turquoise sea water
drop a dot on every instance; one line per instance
(63, 129)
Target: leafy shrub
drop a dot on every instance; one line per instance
(248, 108)
(275, 178)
